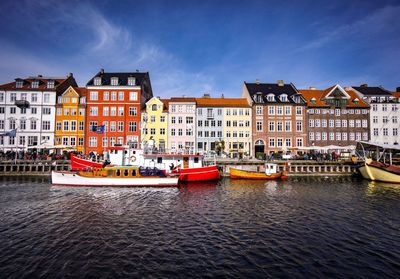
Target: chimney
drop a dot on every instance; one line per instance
(222, 95)
(397, 89)
(101, 71)
(206, 95)
(312, 88)
(364, 85)
(257, 81)
(183, 96)
(70, 75)
(40, 76)
(280, 82)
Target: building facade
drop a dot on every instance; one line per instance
(336, 117)
(28, 107)
(70, 119)
(384, 116)
(154, 124)
(278, 117)
(114, 101)
(182, 124)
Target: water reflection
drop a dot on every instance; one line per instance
(378, 188)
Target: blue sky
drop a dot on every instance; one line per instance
(196, 47)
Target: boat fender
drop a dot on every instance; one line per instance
(132, 158)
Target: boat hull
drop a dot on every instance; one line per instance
(82, 164)
(74, 179)
(198, 174)
(243, 174)
(376, 173)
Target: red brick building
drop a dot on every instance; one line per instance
(115, 100)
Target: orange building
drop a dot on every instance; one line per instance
(70, 118)
(114, 100)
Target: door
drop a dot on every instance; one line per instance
(185, 162)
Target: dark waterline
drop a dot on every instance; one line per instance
(300, 228)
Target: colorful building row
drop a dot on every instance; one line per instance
(119, 108)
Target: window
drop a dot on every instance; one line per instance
(365, 136)
(66, 126)
(338, 136)
(173, 132)
(311, 123)
(152, 119)
(271, 142)
(113, 95)
(324, 136)
(35, 84)
(131, 81)
(81, 125)
(358, 123)
(271, 126)
(121, 95)
(80, 141)
(189, 120)
(162, 131)
(173, 120)
(120, 126)
(120, 111)
(259, 127)
(385, 132)
(112, 126)
(106, 96)
(375, 119)
(299, 111)
(299, 126)
(317, 123)
(364, 123)
(344, 136)
(258, 110)
(279, 110)
(162, 119)
(337, 112)
(93, 111)
(132, 111)
(113, 111)
(385, 120)
(132, 126)
(180, 120)
(395, 131)
(288, 126)
(279, 142)
(58, 126)
(105, 111)
(271, 110)
(180, 132)
(324, 123)
(46, 125)
(376, 131)
(384, 107)
(13, 110)
(394, 119)
(97, 81)
(114, 81)
(93, 142)
(331, 136)
(19, 83)
(284, 98)
(81, 111)
(344, 123)
(2, 110)
(33, 124)
(299, 142)
(351, 123)
(288, 142)
(338, 123)
(288, 110)
(73, 125)
(47, 111)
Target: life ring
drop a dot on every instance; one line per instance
(132, 158)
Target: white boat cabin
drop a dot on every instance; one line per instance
(271, 168)
(121, 156)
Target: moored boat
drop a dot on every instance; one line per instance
(115, 176)
(78, 163)
(377, 171)
(271, 172)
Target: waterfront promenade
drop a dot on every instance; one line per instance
(295, 167)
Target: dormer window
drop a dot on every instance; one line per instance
(114, 81)
(313, 100)
(356, 100)
(283, 97)
(19, 83)
(50, 84)
(131, 81)
(35, 84)
(271, 98)
(259, 97)
(97, 81)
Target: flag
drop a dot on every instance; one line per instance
(12, 133)
(98, 129)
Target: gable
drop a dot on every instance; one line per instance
(70, 92)
(337, 92)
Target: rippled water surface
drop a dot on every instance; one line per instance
(311, 227)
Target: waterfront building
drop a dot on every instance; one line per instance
(70, 119)
(278, 117)
(181, 124)
(336, 116)
(154, 124)
(114, 101)
(28, 107)
(224, 126)
(384, 116)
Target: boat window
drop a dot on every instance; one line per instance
(126, 172)
(109, 173)
(126, 152)
(159, 160)
(118, 173)
(196, 159)
(133, 173)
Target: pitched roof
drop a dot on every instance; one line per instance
(396, 94)
(42, 86)
(122, 78)
(319, 96)
(272, 88)
(222, 102)
(81, 91)
(181, 99)
(372, 91)
(166, 104)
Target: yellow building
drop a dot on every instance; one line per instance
(70, 118)
(154, 124)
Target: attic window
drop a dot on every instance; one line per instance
(35, 84)
(312, 100)
(356, 100)
(50, 84)
(271, 98)
(131, 81)
(97, 81)
(114, 81)
(283, 97)
(154, 107)
(259, 98)
(19, 83)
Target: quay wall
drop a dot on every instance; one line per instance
(295, 168)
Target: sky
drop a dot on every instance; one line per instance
(192, 47)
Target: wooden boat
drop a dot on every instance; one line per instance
(189, 167)
(115, 176)
(377, 171)
(374, 169)
(271, 172)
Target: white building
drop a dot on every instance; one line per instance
(384, 113)
(28, 106)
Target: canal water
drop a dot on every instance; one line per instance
(300, 228)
